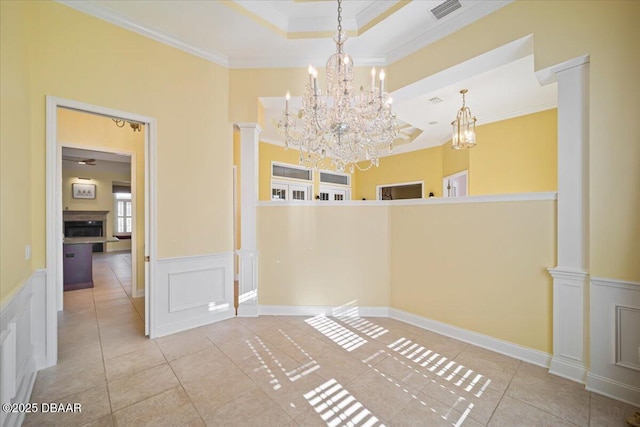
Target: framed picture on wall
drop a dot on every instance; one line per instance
(83, 191)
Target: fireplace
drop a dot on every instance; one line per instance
(86, 224)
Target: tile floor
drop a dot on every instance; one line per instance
(290, 371)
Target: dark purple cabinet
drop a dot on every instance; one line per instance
(77, 266)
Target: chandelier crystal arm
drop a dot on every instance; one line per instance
(340, 127)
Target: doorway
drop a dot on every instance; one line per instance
(145, 246)
(101, 210)
(456, 185)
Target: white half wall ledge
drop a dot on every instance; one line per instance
(497, 198)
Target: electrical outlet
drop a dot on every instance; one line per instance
(27, 252)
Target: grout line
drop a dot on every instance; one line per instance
(504, 393)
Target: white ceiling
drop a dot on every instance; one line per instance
(282, 33)
(104, 161)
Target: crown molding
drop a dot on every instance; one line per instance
(157, 35)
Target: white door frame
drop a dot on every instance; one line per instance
(54, 224)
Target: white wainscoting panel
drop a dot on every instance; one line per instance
(192, 291)
(569, 327)
(615, 339)
(22, 344)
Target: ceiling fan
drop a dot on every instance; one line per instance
(80, 160)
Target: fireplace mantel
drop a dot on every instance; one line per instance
(84, 215)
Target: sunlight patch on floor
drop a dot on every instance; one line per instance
(349, 313)
(337, 407)
(337, 333)
(441, 366)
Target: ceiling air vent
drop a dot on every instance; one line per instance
(435, 100)
(443, 9)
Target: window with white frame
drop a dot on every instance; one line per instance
(290, 182)
(282, 190)
(123, 214)
(334, 193)
(334, 186)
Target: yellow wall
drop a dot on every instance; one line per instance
(91, 131)
(327, 255)
(188, 96)
(470, 265)
(477, 266)
(420, 165)
(608, 32)
(15, 149)
(499, 164)
(519, 155)
(454, 161)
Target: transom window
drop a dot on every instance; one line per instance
(288, 171)
(335, 178)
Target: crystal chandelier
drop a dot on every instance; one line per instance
(339, 126)
(464, 128)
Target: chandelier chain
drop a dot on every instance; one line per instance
(339, 16)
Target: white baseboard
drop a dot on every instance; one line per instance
(316, 310)
(23, 344)
(248, 310)
(613, 389)
(526, 354)
(567, 369)
(137, 293)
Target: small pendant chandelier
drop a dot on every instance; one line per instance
(339, 126)
(464, 127)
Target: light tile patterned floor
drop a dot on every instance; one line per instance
(288, 371)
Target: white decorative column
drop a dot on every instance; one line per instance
(571, 276)
(248, 252)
